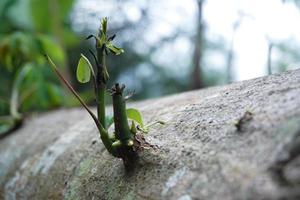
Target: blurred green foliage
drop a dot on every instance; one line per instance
(29, 29)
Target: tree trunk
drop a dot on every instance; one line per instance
(196, 79)
(229, 60)
(240, 141)
(269, 60)
(230, 55)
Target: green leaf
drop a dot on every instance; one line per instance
(132, 114)
(104, 25)
(135, 115)
(84, 69)
(133, 128)
(52, 47)
(102, 36)
(115, 50)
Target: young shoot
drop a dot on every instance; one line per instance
(128, 123)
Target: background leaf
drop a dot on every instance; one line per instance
(46, 13)
(52, 48)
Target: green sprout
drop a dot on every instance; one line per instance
(124, 142)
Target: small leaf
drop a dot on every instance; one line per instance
(115, 50)
(135, 115)
(84, 69)
(104, 25)
(90, 36)
(133, 128)
(111, 38)
(102, 35)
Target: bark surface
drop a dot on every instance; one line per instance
(239, 141)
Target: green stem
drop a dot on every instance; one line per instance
(101, 104)
(102, 77)
(103, 132)
(123, 133)
(120, 118)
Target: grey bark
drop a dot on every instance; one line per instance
(240, 141)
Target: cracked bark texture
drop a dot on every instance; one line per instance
(239, 141)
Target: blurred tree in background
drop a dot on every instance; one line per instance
(196, 76)
(153, 64)
(165, 52)
(296, 2)
(287, 56)
(137, 67)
